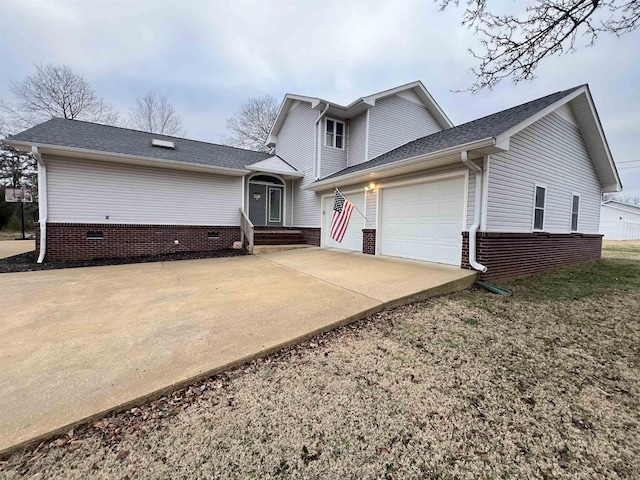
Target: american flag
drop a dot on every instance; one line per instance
(342, 209)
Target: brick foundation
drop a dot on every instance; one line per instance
(68, 241)
(369, 241)
(517, 255)
(311, 235)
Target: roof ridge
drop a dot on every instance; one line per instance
(153, 133)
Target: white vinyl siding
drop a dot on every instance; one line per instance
(551, 152)
(295, 146)
(83, 191)
(357, 138)
(332, 159)
(394, 121)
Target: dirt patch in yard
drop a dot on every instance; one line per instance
(466, 386)
(26, 262)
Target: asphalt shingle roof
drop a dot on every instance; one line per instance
(485, 127)
(93, 136)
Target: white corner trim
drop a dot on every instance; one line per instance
(366, 137)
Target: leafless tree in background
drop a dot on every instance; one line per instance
(250, 126)
(513, 45)
(618, 197)
(54, 91)
(153, 113)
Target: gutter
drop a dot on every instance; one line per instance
(42, 202)
(476, 212)
(355, 176)
(316, 147)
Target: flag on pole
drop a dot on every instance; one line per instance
(342, 209)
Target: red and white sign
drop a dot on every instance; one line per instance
(24, 195)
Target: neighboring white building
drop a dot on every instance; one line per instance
(619, 221)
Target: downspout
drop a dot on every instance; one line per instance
(315, 142)
(476, 213)
(42, 202)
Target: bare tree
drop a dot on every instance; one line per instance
(618, 197)
(153, 113)
(513, 45)
(250, 126)
(55, 91)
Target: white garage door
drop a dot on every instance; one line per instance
(423, 221)
(353, 236)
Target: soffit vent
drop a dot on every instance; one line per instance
(163, 144)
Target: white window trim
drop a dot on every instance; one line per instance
(571, 216)
(280, 191)
(344, 132)
(544, 208)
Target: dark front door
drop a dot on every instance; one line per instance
(258, 204)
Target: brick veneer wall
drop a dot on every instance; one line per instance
(369, 241)
(517, 255)
(68, 241)
(311, 235)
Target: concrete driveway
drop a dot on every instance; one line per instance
(79, 343)
(9, 248)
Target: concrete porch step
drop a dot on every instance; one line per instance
(260, 249)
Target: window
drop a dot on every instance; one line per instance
(275, 198)
(575, 208)
(95, 236)
(538, 210)
(335, 134)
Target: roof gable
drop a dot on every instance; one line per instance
(275, 165)
(415, 91)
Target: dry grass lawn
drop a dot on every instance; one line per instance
(544, 384)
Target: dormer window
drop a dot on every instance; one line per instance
(334, 136)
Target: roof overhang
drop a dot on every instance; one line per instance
(356, 107)
(588, 120)
(112, 157)
(440, 158)
(622, 207)
(275, 165)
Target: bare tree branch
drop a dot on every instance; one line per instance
(55, 91)
(153, 113)
(250, 126)
(512, 46)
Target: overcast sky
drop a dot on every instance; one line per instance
(209, 56)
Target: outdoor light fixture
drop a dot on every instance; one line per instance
(372, 186)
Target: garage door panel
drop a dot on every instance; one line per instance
(353, 236)
(423, 221)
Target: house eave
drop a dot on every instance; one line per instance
(113, 157)
(421, 162)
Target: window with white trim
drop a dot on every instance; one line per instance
(538, 210)
(575, 209)
(334, 134)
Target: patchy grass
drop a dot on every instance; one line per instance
(7, 235)
(544, 384)
(629, 249)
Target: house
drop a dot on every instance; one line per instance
(510, 194)
(619, 221)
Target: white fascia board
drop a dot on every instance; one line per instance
(285, 173)
(73, 152)
(623, 207)
(364, 174)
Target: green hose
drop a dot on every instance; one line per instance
(494, 288)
